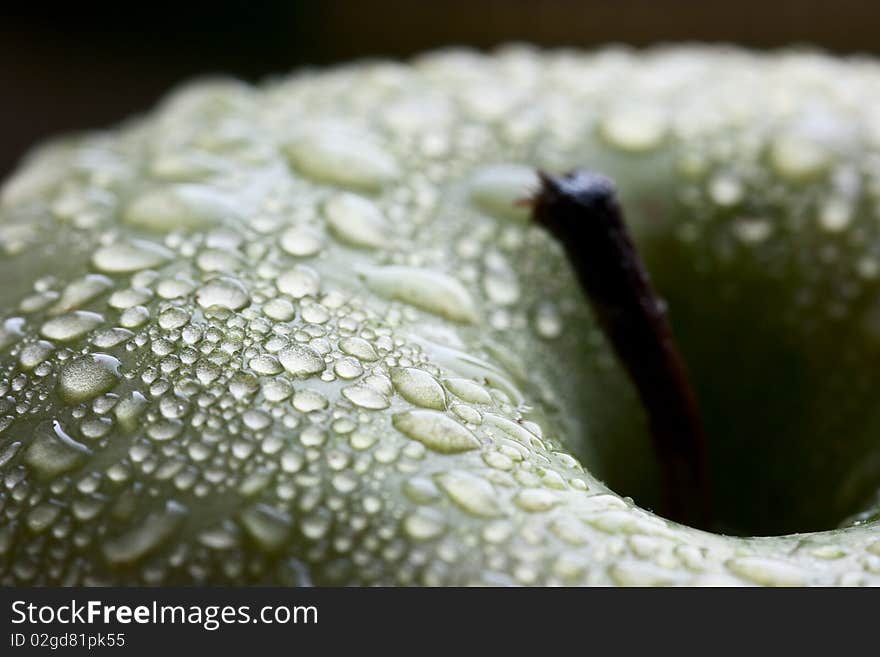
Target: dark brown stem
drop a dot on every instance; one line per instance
(582, 211)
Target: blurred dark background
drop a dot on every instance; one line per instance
(76, 66)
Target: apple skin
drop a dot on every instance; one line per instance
(301, 333)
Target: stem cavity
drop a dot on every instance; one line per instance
(582, 212)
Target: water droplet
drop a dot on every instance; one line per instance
(356, 221)
(307, 401)
(87, 377)
(436, 431)
(265, 364)
(10, 331)
(641, 573)
(225, 291)
(34, 354)
(496, 189)
(173, 318)
(725, 190)
(835, 215)
(548, 323)
(468, 391)
(766, 571)
(365, 396)
(80, 292)
(424, 524)
(72, 326)
(299, 282)
(418, 387)
(129, 409)
(471, 493)
(634, 130)
(301, 241)
(279, 309)
(269, 527)
(52, 452)
(344, 158)
(348, 368)
(41, 517)
(145, 537)
(798, 159)
(178, 207)
(131, 256)
(751, 231)
(301, 360)
(431, 291)
(359, 348)
(535, 500)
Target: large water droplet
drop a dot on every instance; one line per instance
(144, 538)
(436, 431)
(88, 376)
(496, 189)
(72, 326)
(130, 256)
(418, 387)
(178, 207)
(471, 493)
(225, 291)
(52, 452)
(343, 158)
(301, 360)
(356, 221)
(431, 291)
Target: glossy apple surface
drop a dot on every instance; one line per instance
(301, 333)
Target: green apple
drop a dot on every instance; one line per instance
(303, 332)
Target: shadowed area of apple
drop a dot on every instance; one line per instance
(784, 374)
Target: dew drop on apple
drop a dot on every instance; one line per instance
(81, 291)
(343, 157)
(308, 401)
(225, 292)
(301, 360)
(419, 388)
(497, 188)
(725, 190)
(752, 231)
(34, 354)
(71, 326)
(357, 221)
(548, 322)
(53, 452)
(301, 241)
(796, 158)
(634, 130)
(86, 377)
(469, 492)
(265, 364)
(170, 207)
(131, 256)
(436, 431)
(835, 215)
(424, 524)
(145, 537)
(432, 291)
(366, 396)
(173, 318)
(468, 391)
(41, 517)
(279, 309)
(766, 571)
(299, 282)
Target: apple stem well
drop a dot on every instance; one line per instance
(582, 212)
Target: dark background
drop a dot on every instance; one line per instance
(75, 66)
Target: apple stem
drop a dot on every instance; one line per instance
(582, 212)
